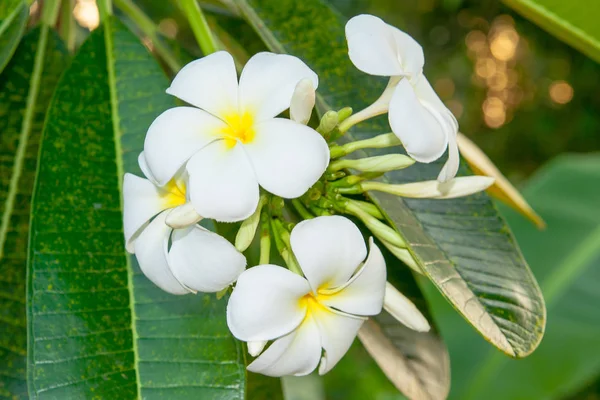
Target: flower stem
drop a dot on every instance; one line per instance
(149, 28)
(67, 24)
(199, 26)
(265, 239)
(367, 207)
(50, 12)
(304, 213)
(105, 9)
(282, 242)
(377, 142)
(384, 163)
(379, 229)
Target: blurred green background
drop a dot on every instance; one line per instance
(530, 102)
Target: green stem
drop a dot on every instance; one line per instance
(50, 12)
(282, 242)
(199, 26)
(67, 24)
(304, 213)
(105, 8)
(367, 207)
(265, 240)
(379, 229)
(149, 28)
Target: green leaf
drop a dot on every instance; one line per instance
(26, 86)
(463, 245)
(574, 22)
(97, 327)
(566, 257)
(13, 18)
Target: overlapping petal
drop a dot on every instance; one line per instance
(420, 127)
(328, 249)
(151, 253)
(209, 83)
(337, 334)
(203, 260)
(268, 81)
(266, 304)
(222, 184)
(363, 294)
(297, 353)
(288, 158)
(142, 201)
(175, 136)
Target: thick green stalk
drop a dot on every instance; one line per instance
(50, 12)
(149, 28)
(199, 26)
(67, 24)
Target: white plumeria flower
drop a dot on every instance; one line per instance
(325, 310)
(233, 140)
(196, 259)
(416, 114)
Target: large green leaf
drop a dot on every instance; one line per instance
(13, 18)
(565, 257)
(463, 245)
(97, 327)
(575, 22)
(26, 86)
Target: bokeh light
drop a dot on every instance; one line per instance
(168, 27)
(561, 92)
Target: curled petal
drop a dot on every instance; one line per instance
(329, 250)
(209, 83)
(337, 334)
(151, 253)
(222, 184)
(146, 169)
(288, 157)
(405, 312)
(303, 101)
(450, 168)
(175, 136)
(297, 353)
(421, 128)
(268, 82)
(363, 294)
(377, 48)
(182, 216)
(266, 303)
(142, 201)
(204, 261)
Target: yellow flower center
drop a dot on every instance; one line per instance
(173, 193)
(313, 303)
(240, 127)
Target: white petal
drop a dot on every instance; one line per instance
(288, 157)
(268, 81)
(457, 187)
(450, 168)
(337, 334)
(151, 253)
(222, 183)
(141, 201)
(204, 261)
(328, 249)
(209, 83)
(401, 308)
(255, 348)
(422, 130)
(146, 169)
(363, 294)
(303, 101)
(297, 353)
(175, 136)
(266, 303)
(182, 216)
(377, 48)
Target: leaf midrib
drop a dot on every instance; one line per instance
(112, 85)
(32, 97)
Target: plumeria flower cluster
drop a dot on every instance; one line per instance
(243, 151)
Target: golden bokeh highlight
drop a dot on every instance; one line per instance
(168, 27)
(444, 88)
(86, 14)
(561, 92)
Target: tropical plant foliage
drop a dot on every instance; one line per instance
(80, 320)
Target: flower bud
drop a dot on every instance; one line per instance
(303, 101)
(405, 312)
(328, 122)
(385, 163)
(247, 231)
(457, 187)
